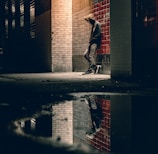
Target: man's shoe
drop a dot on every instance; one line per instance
(90, 133)
(97, 69)
(90, 136)
(88, 72)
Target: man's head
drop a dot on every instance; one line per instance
(90, 18)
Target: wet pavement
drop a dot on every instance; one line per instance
(72, 113)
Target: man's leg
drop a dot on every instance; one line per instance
(86, 55)
(89, 55)
(92, 53)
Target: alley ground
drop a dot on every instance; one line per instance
(24, 94)
(74, 82)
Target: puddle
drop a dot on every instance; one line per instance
(82, 123)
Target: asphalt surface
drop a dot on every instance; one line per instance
(74, 82)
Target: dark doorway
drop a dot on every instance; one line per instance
(145, 37)
(19, 35)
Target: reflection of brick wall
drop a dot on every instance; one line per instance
(62, 122)
(101, 139)
(81, 118)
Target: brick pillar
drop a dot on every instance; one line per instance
(61, 35)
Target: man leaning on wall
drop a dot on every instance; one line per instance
(94, 44)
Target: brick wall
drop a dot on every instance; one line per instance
(61, 35)
(101, 11)
(70, 34)
(81, 32)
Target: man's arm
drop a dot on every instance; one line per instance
(96, 36)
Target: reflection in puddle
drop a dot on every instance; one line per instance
(106, 122)
(99, 133)
(84, 121)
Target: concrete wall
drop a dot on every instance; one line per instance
(121, 38)
(121, 123)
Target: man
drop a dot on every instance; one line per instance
(94, 44)
(95, 110)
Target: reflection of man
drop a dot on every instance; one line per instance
(94, 43)
(96, 115)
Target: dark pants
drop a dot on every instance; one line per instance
(90, 55)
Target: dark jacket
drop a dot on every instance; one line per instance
(96, 35)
